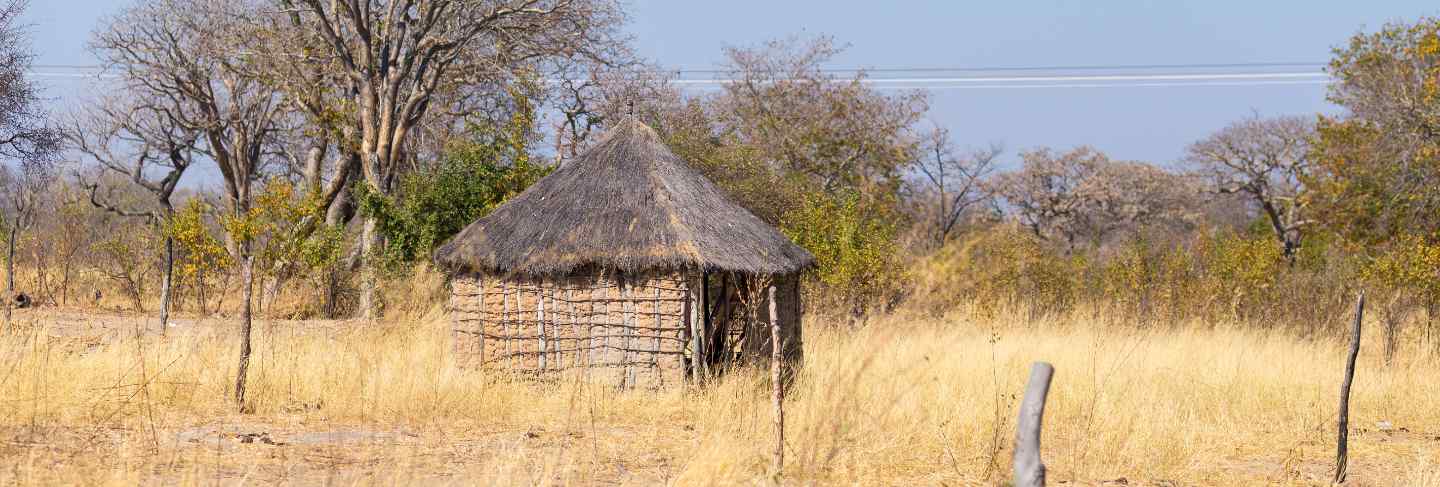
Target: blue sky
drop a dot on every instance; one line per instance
(1149, 123)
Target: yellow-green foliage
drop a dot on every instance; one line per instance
(274, 210)
(200, 250)
(1375, 165)
(1147, 277)
(856, 257)
(1411, 265)
(200, 257)
(281, 215)
(996, 268)
(1239, 263)
(125, 257)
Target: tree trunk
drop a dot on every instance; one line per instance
(10, 273)
(247, 272)
(41, 290)
(65, 282)
(271, 293)
(332, 290)
(166, 281)
(10, 262)
(1392, 336)
(1342, 443)
(369, 269)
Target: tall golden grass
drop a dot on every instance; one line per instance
(899, 401)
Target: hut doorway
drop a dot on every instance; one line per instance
(732, 328)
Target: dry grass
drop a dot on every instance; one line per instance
(898, 402)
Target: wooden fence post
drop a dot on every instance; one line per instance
(777, 387)
(1341, 446)
(1029, 470)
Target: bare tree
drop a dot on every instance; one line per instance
(316, 143)
(1082, 197)
(21, 194)
(139, 140)
(182, 54)
(72, 227)
(1266, 160)
(24, 134)
(24, 137)
(839, 132)
(400, 59)
(949, 183)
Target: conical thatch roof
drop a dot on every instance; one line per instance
(626, 204)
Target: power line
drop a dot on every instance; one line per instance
(966, 79)
(1093, 67)
(932, 69)
(67, 66)
(1064, 81)
(1015, 79)
(1127, 85)
(1314, 82)
(70, 75)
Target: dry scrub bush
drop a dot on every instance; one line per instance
(1211, 276)
(995, 269)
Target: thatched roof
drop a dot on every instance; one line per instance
(627, 204)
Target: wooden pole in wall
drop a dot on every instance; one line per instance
(655, 345)
(705, 324)
(505, 322)
(1341, 445)
(1029, 470)
(777, 387)
(692, 322)
(479, 322)
(540, 319)
(628, 321)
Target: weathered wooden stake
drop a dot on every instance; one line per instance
(1029, 470)
(1341, 445)
(777, 387)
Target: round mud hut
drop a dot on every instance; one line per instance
(625, 265)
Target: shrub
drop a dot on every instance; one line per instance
(857, 264)
(200, 257)
(995, 268)
(471, 180)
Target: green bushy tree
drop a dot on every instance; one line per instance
(473, 178)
